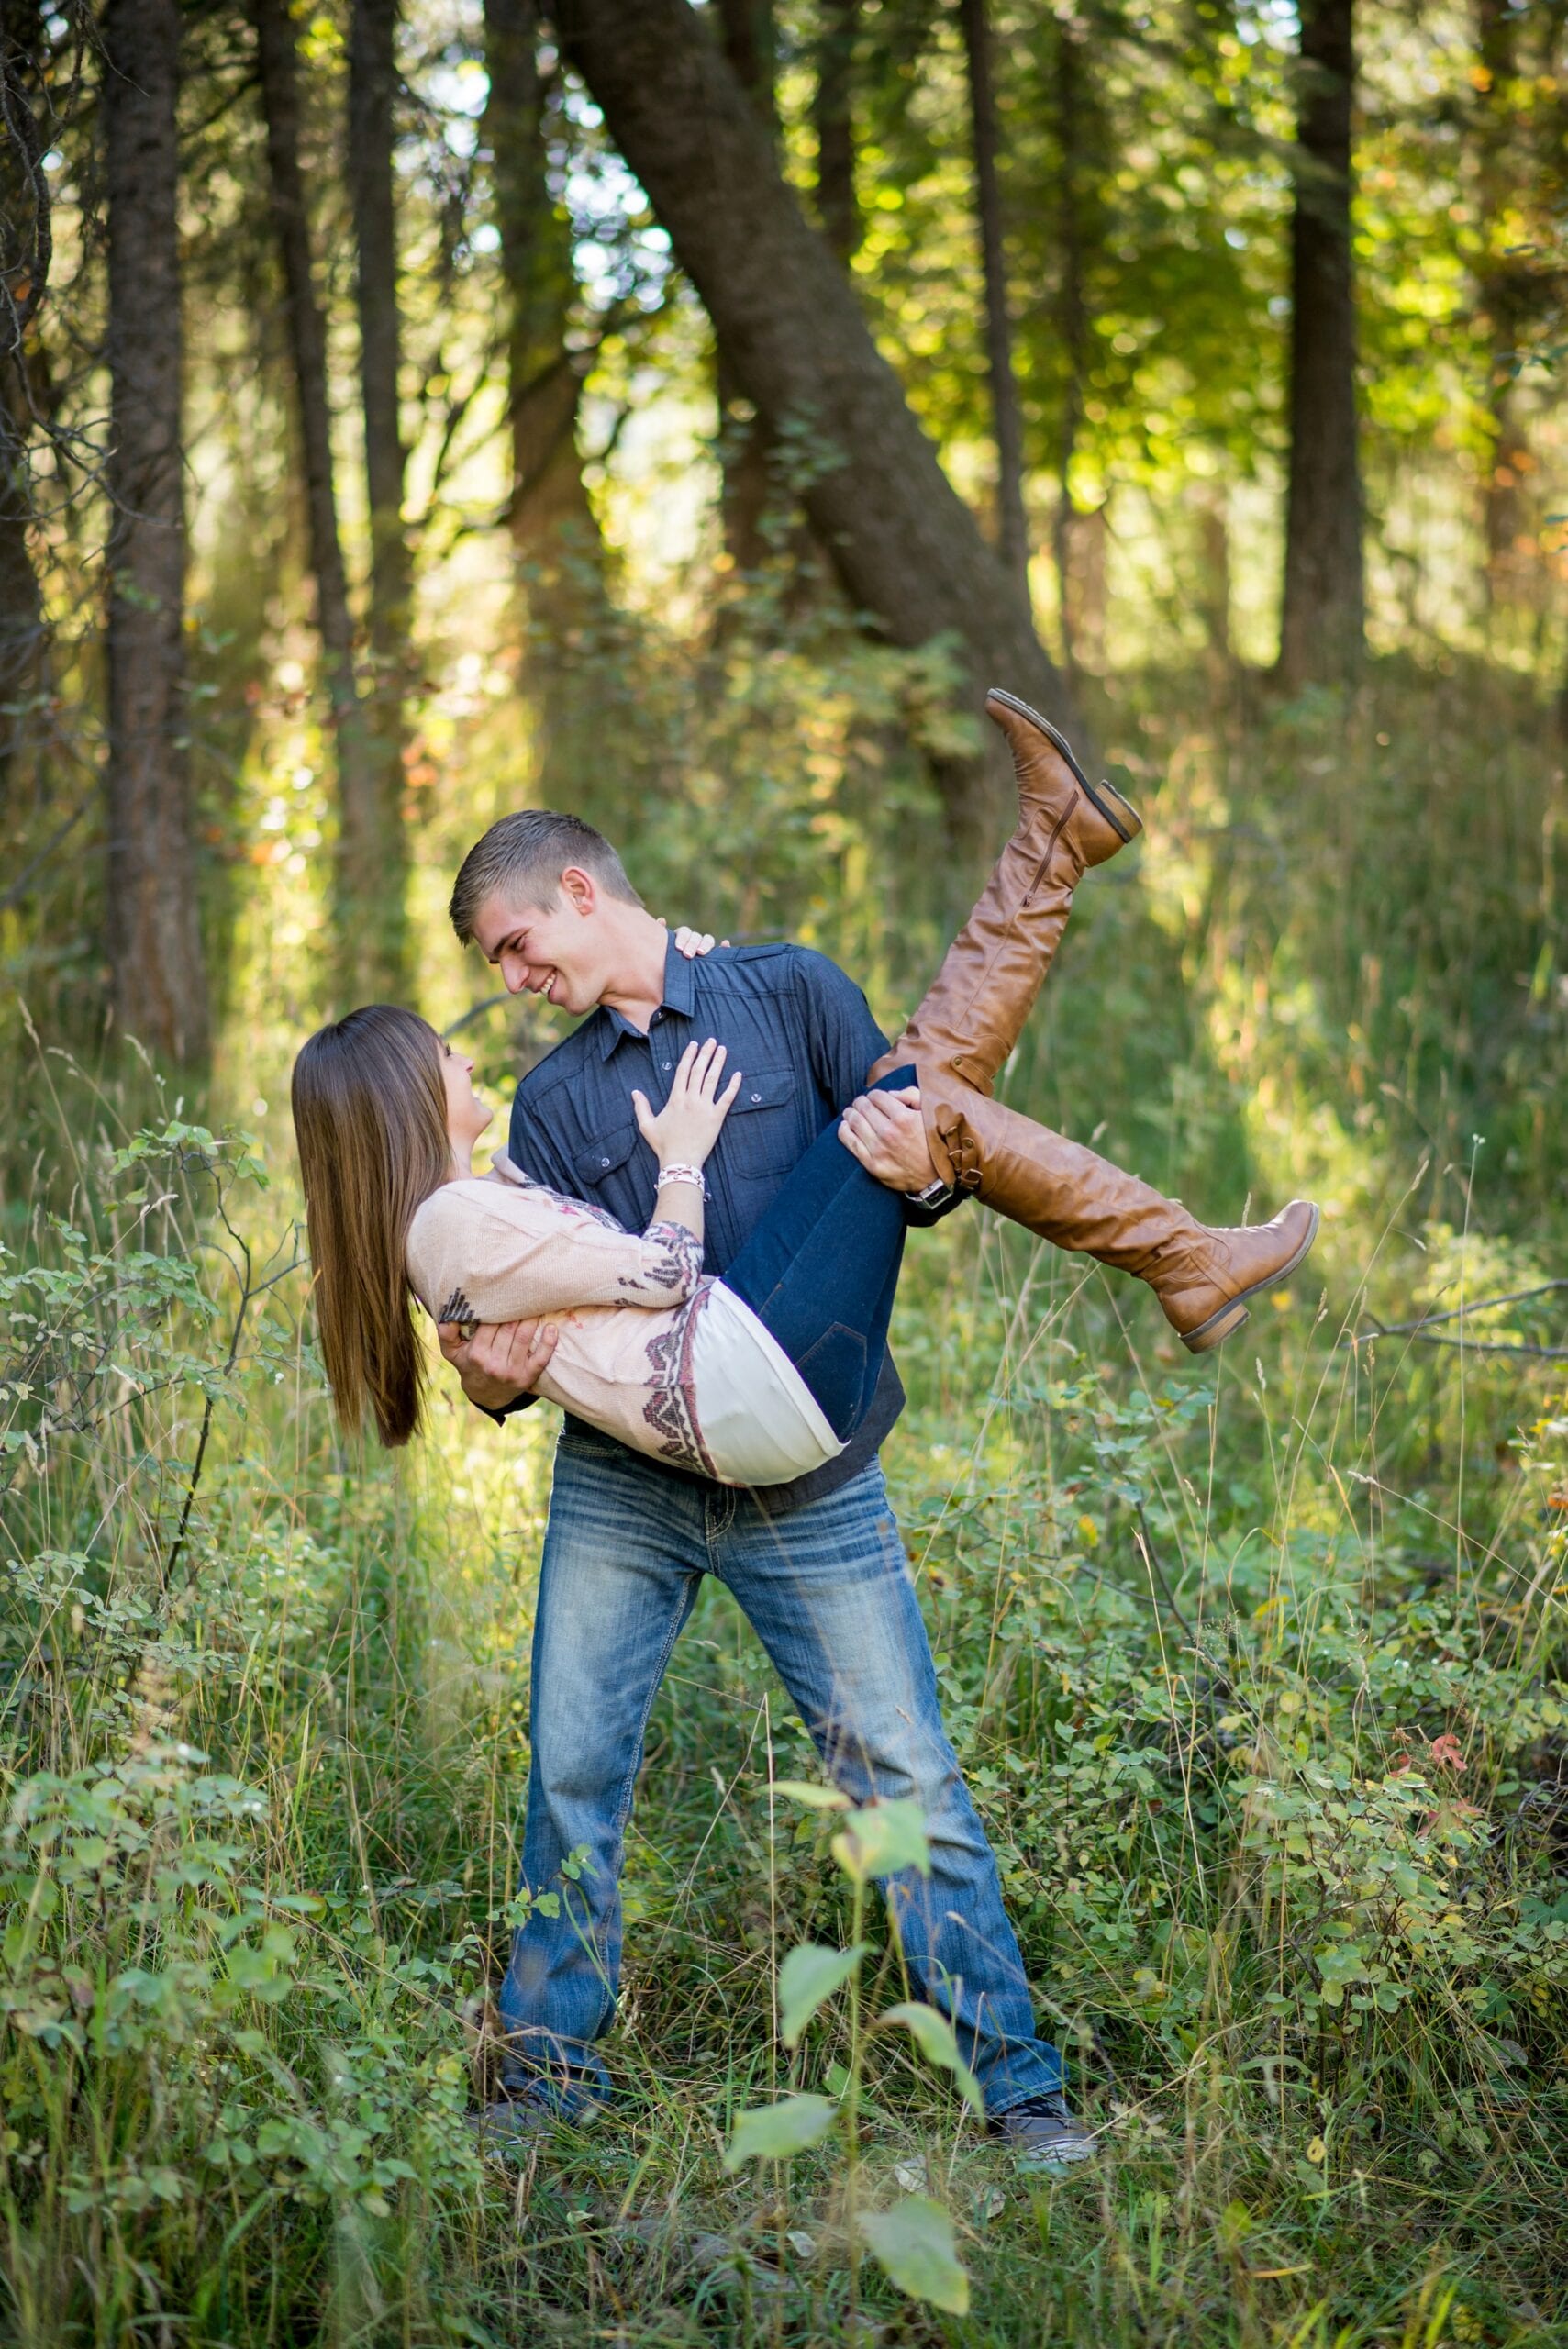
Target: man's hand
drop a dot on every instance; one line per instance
(887, 1134)
(500, 1361)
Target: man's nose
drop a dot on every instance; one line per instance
(514, 973)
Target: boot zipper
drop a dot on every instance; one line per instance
(1045, 860)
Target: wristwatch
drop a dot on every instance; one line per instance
(934, 1194)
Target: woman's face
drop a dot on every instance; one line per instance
(467, 1115)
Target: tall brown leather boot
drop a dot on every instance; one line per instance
(1203, 1278)
(971, 1014)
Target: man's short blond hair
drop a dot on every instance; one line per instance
(525, 855)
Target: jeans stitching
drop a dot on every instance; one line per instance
(628, 1783)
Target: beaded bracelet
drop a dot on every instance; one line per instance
(692, 1175)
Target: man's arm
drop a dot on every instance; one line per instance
(844, 1041)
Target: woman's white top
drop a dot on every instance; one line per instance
(651, 1350)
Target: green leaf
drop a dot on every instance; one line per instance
(883, 1838)
(915, 2247)
(810, 1974)
(934, 2036)
(814, 1798)
(772, 2133)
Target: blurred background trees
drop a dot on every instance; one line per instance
(613, 346)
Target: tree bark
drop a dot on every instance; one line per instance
(833, 119)
(25, 252)
(908, 549)
(373, 88)
(1012, 523)
(1508, 292)
(1073, 317)
(747, 491)
(1322, 630)
(368, 914)
(551, 519)
(158, 981)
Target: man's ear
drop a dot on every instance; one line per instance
(580, 889)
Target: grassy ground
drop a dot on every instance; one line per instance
(1255, 1666)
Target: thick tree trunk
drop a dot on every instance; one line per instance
(153, 930)
(747, 491)
(373, 86)
(1506, 291)
(369, 913)
(833, 119)
(1322, 624)
(25, 249)
(1012, 523)
(908, 547)
(551, 519)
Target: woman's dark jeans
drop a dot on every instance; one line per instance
(821, 1272)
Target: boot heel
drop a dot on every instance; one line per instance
(1215, 1330)
(1115, 810)
(1118, 813)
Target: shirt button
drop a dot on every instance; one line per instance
(666, 1066)
(756, 1097)
(603, 1162)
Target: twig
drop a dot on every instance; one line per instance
(1457, 1312)
(475, 1011)
(20, 886)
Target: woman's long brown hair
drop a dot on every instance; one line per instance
(370, 1118)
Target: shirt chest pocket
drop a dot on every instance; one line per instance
(604, 1156)
(762, 1134)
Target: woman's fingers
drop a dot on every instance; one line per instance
(644, 1115)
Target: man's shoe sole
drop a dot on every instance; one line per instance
(1230, 1316)
(1119, 814)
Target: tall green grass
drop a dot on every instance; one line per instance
(1255, 1666)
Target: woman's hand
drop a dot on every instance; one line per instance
(686, 1128)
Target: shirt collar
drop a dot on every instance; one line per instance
(680, 994)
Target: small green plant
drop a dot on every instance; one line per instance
(913, 2243)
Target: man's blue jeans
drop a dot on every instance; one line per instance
(829, 1592)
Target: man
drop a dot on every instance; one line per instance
(817, 1566)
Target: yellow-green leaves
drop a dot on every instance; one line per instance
(809, 1975)
(773, 2133)
(883, 1838)
(915, 2246)
(933, 2034)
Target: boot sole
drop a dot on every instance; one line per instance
(1119, 814)
(1229, 1317)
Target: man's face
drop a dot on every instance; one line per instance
(556, 951)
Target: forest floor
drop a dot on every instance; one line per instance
(1255, 1666)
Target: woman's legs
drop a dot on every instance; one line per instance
(821, 1272)
(970, 1019)
(971, 1016)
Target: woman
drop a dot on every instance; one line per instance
(765, 1375)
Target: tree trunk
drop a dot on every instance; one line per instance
(1506, 292)
(373, 87)
(833, 119)
(153, 930)
(551, 519)
(1073, 328)
(368, 913)
(1012, 524)
(747, 490)
(1323, 621)
(908, 547)
(24, 251)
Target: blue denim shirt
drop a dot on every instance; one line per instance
(803, 1037)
